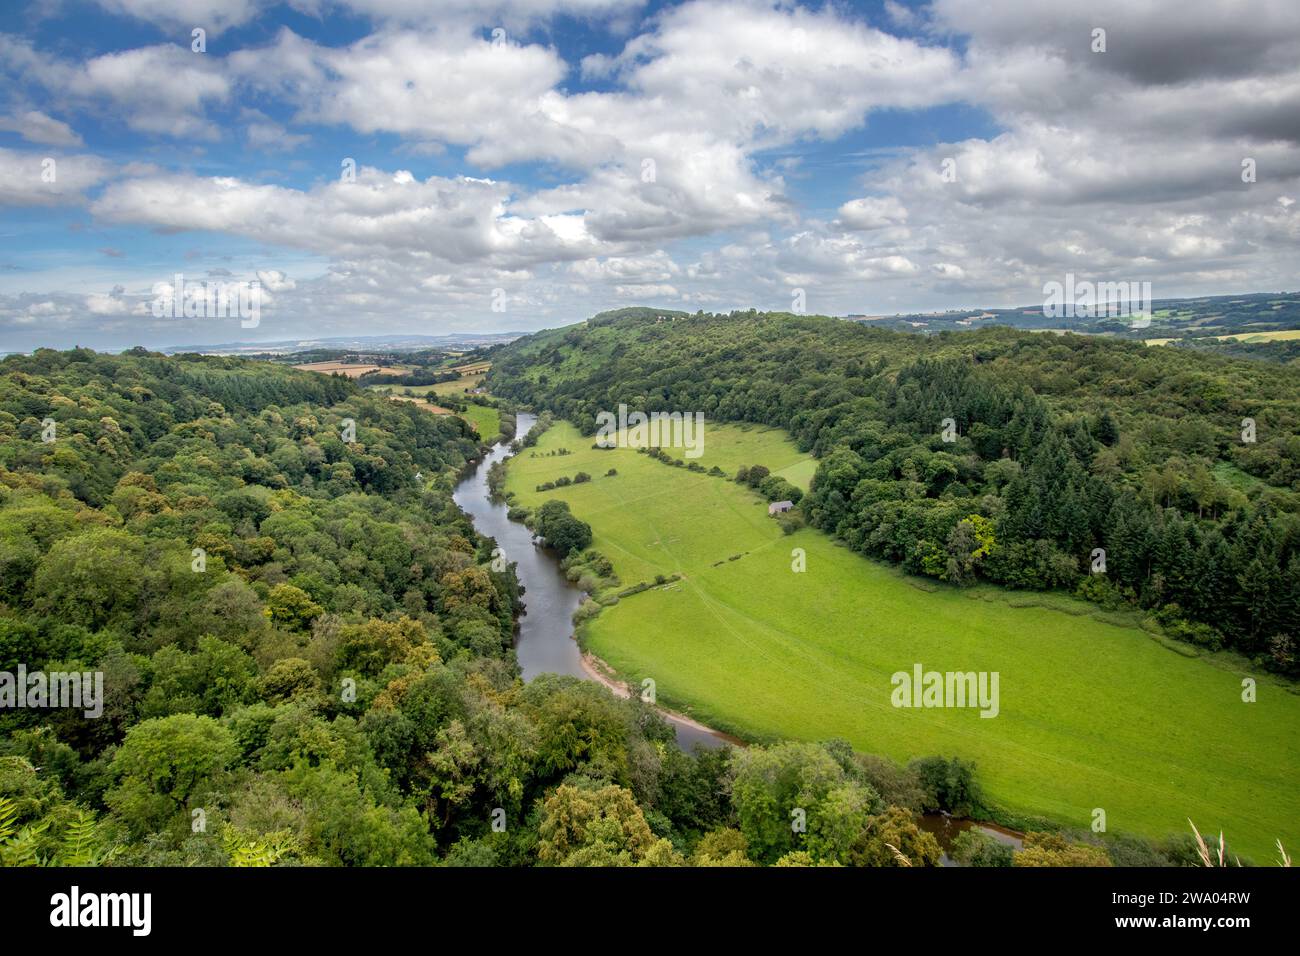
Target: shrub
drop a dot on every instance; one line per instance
(975, 848)
(790, 521)
(948, 784)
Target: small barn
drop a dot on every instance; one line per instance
(777, 507)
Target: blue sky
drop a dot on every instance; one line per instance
(526, 163)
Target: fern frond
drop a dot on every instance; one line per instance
(8, 819)
(79, 842)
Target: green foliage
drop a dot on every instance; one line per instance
(306, 643)
(947, 784)
(974, 848)
(562, 531)
(590, 826)
(1050, 849)
(291, 608)
(892, 838)
(775, 787)
(163, 764)
(1063, 444)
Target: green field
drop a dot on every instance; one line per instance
(1092, 714)
(485, 418)
(1276, 335)
(456, 386)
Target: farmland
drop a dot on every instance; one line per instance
(1095, 713)
(1276, 335)
(454, 387)
(485, 418)
(350, 369)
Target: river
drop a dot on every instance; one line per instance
(544, 643)
(945, 829)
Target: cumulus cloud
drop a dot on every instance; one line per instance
(872, 212)
(163, 89)
(48, 179)
(424, 227)
(663, 168)
(273, 280)
(36, 127)
(212, 15)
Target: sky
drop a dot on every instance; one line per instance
(446, 166)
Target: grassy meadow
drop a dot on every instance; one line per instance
(1276, 335)
(456, 386)
(1093, 714)
(485, 418)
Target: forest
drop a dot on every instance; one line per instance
(307, 654)
(307, 658)
(1160, 479)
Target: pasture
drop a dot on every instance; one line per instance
(1093, 715)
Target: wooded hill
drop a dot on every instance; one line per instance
(307, 658)
(1064, 444)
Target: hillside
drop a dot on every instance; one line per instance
(1065, 444)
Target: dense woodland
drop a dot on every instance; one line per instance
(1062, 445)
(308, 660)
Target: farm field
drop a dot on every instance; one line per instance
(350, 369)
(455, 386)
(1092, 714)
(485, 418)
(424, 403)
(1276, 335)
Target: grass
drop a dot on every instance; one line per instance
(1234, 477)
(455, 386)
(1277, 335)
(486, 419)
(1093, 713)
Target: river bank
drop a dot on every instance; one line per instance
(544, 641)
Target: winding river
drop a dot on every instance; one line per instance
(545, 643)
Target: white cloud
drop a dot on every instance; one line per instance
(45, 179)
(212, 15)
(872, 213)
(36, 127)
(273, 280)
(461, 221)
(671, 179)
(163, 89)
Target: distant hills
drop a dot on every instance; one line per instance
(463, 341)
(1258, 316)
(1267, 323)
